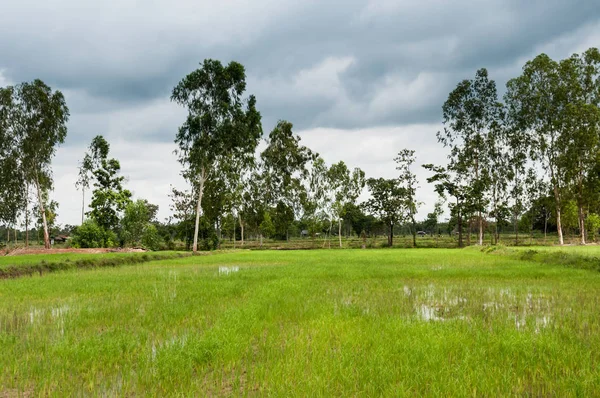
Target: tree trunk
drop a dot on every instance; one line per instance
(340, 231)
(82, 204)
(480, 230)
(582, 225)
(261, 240)
(198, 209)
(559, 226)
(242, 229)
(233, 217)
(391, 236)
(469, 228)
(43, 210)
(460, 233)
(27, 218)
(414, 232)
(545, 226)
(516, 227)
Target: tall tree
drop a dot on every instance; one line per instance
(92, 159)
(345, 187)
(109, 198)
(39, 121)
(581, 138)
(313, 195)
(537, 99)
(470, 113)
(408, 182)
(387, 202)
(285, 163)
(217, 128)
(12, 192)
(447, 182)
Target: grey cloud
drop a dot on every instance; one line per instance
(374, 65)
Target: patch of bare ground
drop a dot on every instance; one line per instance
(25, 250)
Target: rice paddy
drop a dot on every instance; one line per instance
(395, 322)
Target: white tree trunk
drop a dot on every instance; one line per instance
(82, 204)
(559, 227)
(198, 209)
(582, 225)
(480, 229)
(43, 210)
(242, 228)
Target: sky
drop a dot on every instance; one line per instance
(359, 79)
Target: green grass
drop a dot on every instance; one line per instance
(27, 265)
(28, 259)
(306, 323)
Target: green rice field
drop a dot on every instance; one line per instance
(386, 322)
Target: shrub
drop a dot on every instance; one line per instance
(91, 235)
(151, 240)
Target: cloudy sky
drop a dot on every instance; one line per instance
(360, 79)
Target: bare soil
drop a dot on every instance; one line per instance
(26, 250)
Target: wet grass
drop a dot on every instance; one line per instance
(306, 323)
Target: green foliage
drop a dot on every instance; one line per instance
(267, 228)
(33, 123)
(570, 217)
(136, 218)
(218, 134)
(592, 223)
(109, 199)
(388, 202)
(151, 239)
(91, 235)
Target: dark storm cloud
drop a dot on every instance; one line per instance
(138, 56)
(375, 71)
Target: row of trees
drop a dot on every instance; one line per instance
(33, 122)
(542, 140)
(534, 152)
(285, 182)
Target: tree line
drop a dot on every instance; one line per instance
(532, 154)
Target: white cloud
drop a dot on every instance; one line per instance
(374, 150)
(149, 169)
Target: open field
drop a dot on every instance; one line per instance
(306, 323)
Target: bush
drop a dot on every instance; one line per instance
(91, 235)
(151, 240)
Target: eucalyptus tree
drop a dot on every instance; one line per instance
(97, 151)
(38, 119)
(537, 99)
(408, 181)
(345, 187)
(284, 163)
(109, 198)
(449, 183)
(217, 128)
(580, 141)
(387, 202)
(12, 192)
(182, 206)
(506, 162)
(313, 196)
(471, 113)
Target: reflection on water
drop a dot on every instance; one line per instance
(228, 270)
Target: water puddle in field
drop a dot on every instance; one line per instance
(525, 310)
(228, 270)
